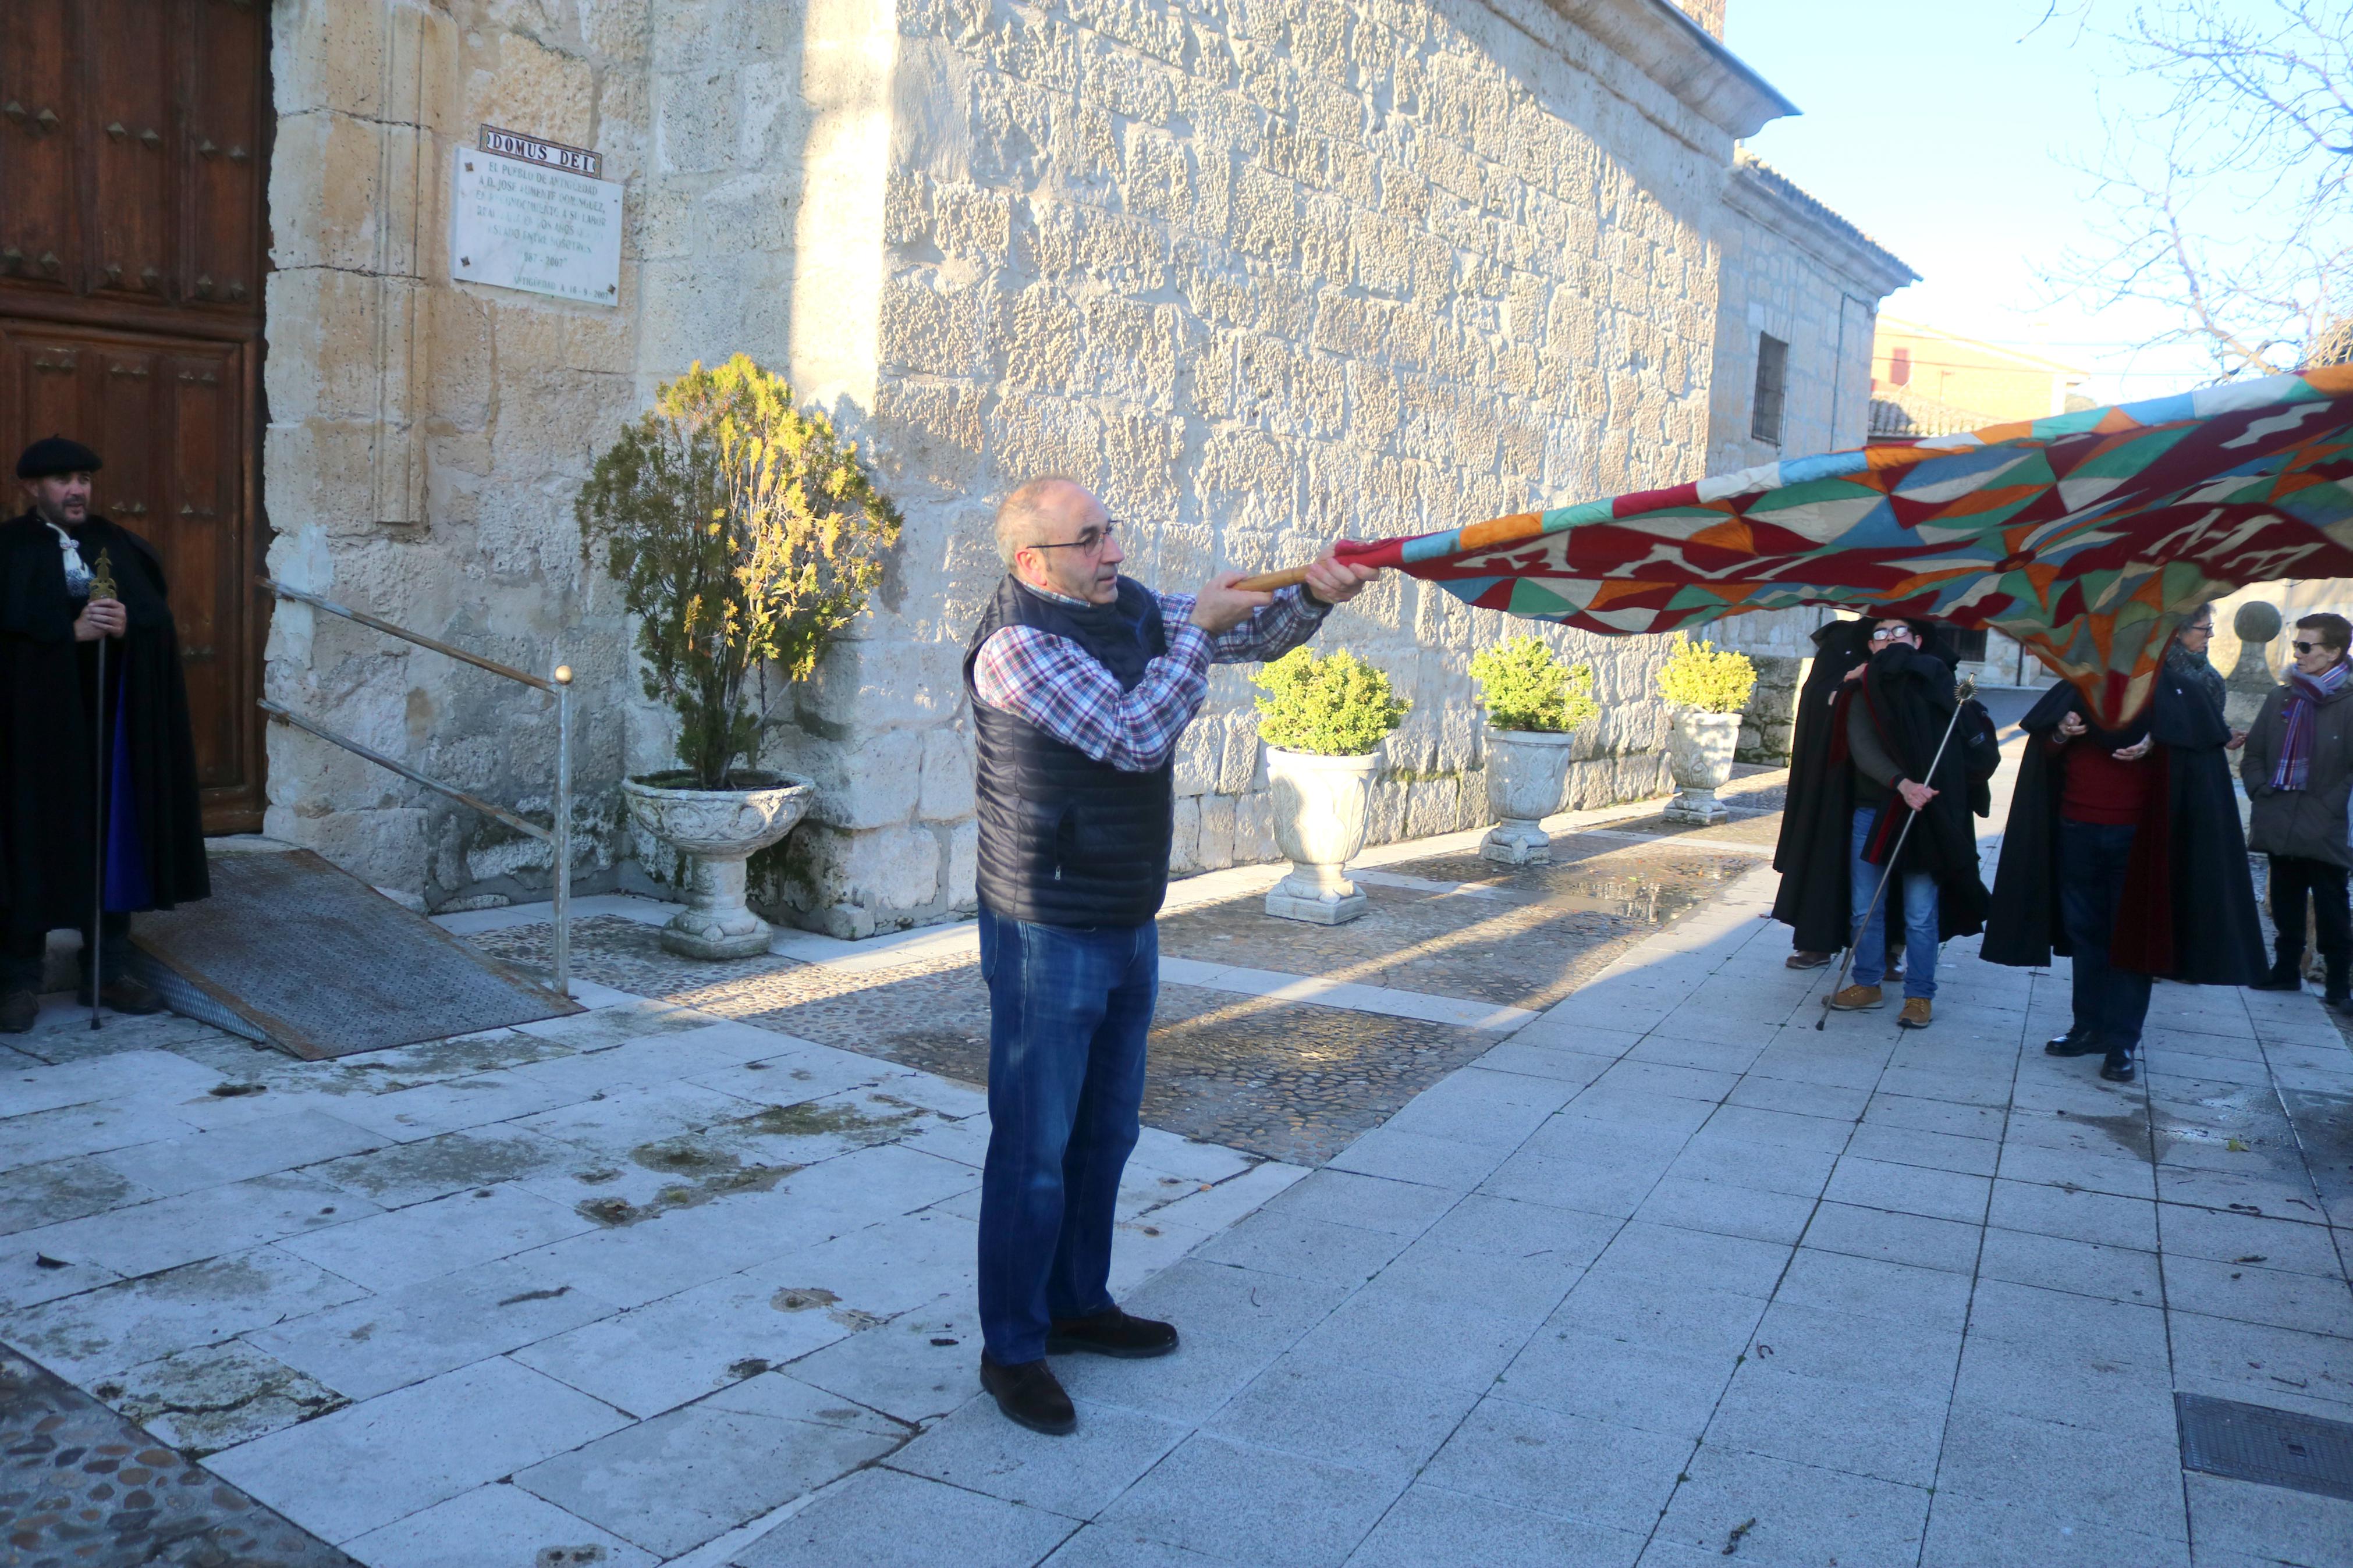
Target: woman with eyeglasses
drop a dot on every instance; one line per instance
(2123, 852)
(2298, 769)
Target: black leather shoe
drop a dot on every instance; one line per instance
(2283, 977)
(2071, 1044)
(1031, 1395)
(134, 997)
(2119, 1067)
(17, 1011)
(1112, 1332)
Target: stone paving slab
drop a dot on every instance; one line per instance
(524, 1297)
(1697, 1280)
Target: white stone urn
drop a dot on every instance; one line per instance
(718, 831)
(1524, 772)
(1319, 806)
(1699, 751)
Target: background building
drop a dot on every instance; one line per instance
(1262, 274)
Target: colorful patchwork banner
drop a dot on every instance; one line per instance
(2087, 536)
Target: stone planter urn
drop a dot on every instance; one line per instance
(1699, 751)
(1524, 772)
(1320, 806)
(718, 831)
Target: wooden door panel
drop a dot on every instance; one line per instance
(40, 209)
(221, 148)
(130, 107)
(132, 255)
(167, 417)
(209, 586)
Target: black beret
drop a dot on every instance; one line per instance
(54, 455)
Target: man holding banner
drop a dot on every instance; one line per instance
(1081, 681)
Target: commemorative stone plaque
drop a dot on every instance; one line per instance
(535, 215)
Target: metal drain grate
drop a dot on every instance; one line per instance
(2256, 1443)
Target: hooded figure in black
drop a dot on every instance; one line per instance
(1889, 743)
(51, 721)
(2124, 852)
(1813, 850)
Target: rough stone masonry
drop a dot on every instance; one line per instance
(1259, 271)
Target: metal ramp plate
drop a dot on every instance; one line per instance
(291, 950)
(2257, 1443)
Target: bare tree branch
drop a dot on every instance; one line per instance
(2230, 202)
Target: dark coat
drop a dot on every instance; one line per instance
(1812, 853)
(1909, 697)
(2189, 906)
(2307, 823)
(49, 684)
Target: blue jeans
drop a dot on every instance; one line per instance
(2111, 1004)
(1921, 931)
(1070, 1008)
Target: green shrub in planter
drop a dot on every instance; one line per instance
(1336, 706)
(1703, 676)
(1525, 688)
(745, 535)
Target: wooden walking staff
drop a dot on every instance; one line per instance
(102, 586)
(1961, 694)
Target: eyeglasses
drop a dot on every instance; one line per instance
(2309, 647)
(1886, 634)
(1089, 540)
(2200, 629)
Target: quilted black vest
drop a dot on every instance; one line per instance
(1064, 839)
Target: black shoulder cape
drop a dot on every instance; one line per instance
(2189, 906)
(1812, 853)
(47, 762)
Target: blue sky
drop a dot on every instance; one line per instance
(1942, 129)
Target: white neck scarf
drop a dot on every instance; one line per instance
(77, 569)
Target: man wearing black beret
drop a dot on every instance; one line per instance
(52, 714)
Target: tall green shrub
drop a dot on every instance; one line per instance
(1524, 687)
(745, 534)
(1702, 676)
(1336, 706)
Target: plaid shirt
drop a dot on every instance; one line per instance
(1064, 690)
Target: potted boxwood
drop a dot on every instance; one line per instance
(745, 534)
(1323, 721)
(1534, 703)
(1707, 687)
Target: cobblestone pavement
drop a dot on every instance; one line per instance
(84, 1486)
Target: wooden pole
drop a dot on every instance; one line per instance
(1268, 582)
(101, 587)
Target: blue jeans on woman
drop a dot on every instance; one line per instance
(2111, 1004)
(1070, 1008)
(1921, 931)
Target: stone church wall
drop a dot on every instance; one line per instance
(1261, 272)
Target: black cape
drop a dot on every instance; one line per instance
(48, 682)
(1812, 853)
(2188, 906)
(1910, 697)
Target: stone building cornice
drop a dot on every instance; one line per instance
(1756, 190)
(1662, 43)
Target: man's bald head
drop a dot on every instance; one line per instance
(1040, 510)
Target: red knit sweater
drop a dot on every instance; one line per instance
(2099, 788)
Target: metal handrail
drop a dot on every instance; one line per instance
(558, 836)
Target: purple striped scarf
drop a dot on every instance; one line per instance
(2298, 720)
